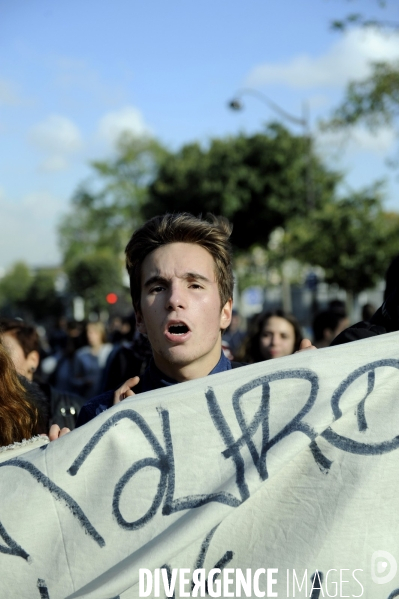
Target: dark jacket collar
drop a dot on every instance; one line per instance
(153, 378)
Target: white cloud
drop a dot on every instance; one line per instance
(54, 163)
(348, 58)
(58, 137)
(41, 204)
(73, 74)
(357, 140)
(128, 119)
(57, 134)
(382, 141)
(29, 229)
(318, 101)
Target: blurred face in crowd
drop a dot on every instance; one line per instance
(25, 365)
(180, 310)
(342, 325)
(277, 338)
(330, 334)
(94, 335)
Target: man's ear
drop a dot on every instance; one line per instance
(225, 316)
(140, 323)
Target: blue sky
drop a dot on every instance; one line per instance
(73, 74)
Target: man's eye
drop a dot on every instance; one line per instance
(196, 286)
(157, 289)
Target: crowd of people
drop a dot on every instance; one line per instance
(78, 361)
(46, 381)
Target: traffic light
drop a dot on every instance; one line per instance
(111, 298)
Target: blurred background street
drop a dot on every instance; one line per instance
(281, 116)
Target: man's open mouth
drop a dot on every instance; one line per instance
(178, 329)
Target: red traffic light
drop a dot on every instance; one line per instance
(111, 298)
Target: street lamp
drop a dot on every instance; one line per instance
(236, 104)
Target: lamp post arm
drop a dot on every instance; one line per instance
(253, 92)
(303, 122)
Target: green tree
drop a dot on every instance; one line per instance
(258, 182)
(373, 100)
(107, 208)
(365, 237)
(360, 20)
(352, 239)
(93, 276)
(14, 287)
(42, 301)
(32, 296)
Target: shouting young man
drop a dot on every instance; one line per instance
(181, 283)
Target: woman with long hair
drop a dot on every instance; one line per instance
(22, 342)
(275, 335)
(20, 417)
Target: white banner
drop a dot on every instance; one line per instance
(252, 482)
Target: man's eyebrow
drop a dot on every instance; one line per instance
(196, 276)
(188, 276)
(155, 279)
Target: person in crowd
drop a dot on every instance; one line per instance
(368, 311)
(114, 329)
(274, 335)
(234, 336)
(90, 361)
(121, 329)
(338, 306)
(21, 340)
(391, 277)
(128, 358)
(58, 335)
(385, 319)
(60, 365)
(327, 325)
(22, 344)
(181, 282)
(23, 410)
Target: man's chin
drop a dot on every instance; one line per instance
(175, 356)
(181, 356)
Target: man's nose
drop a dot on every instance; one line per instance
(176, 297)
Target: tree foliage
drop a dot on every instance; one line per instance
(362, 238)
(261, 183)
(352, 239)
(93, 276)
(258, 182)
(374, 100)
(31, 296)
(15, 284)
(359, 20)
(42, 300)
(106, 209)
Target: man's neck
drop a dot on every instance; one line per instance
(188, 372)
